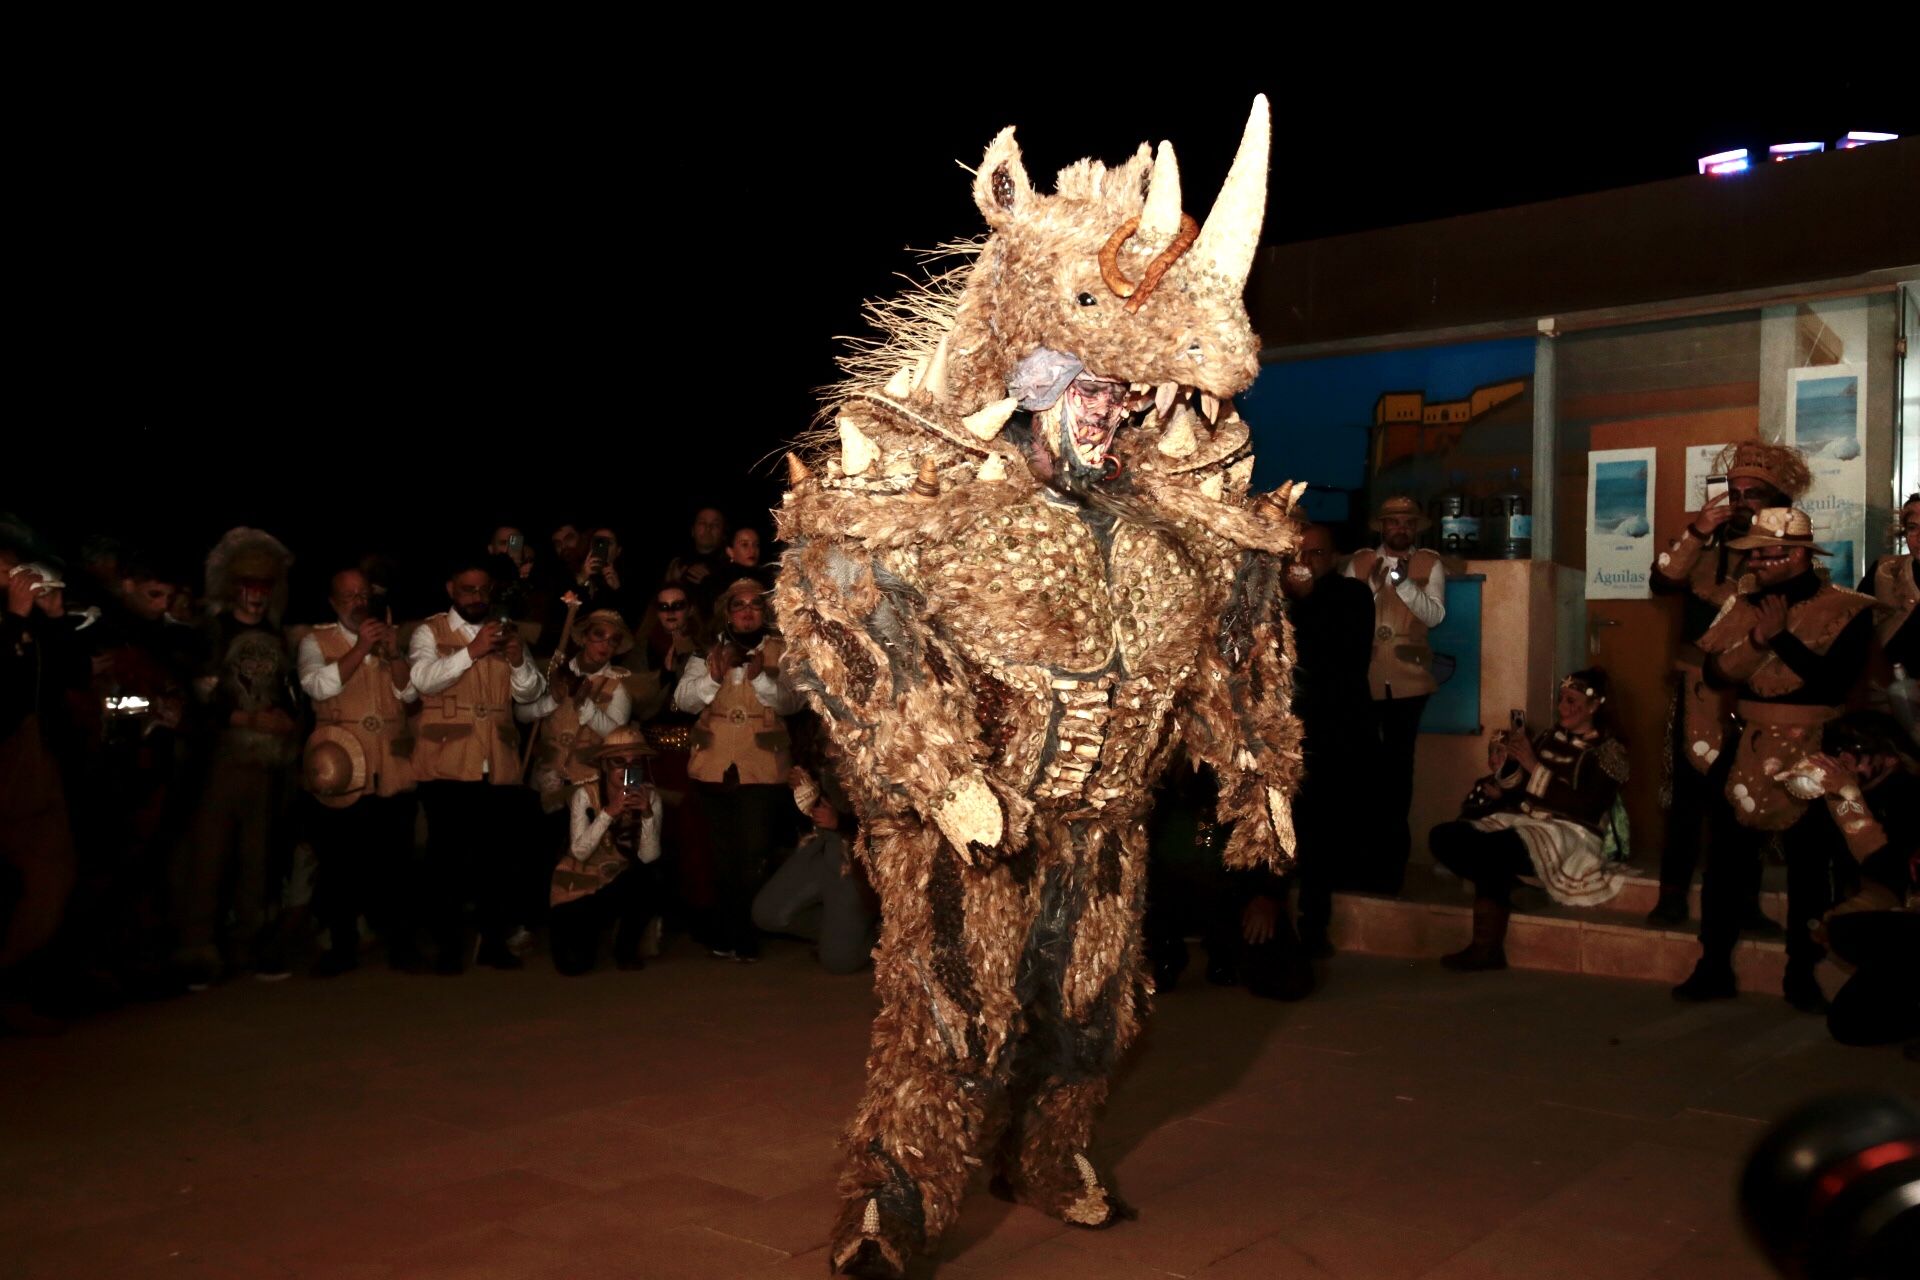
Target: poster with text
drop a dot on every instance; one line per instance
(1700, 460)
(1619, 523)
(1826, 420)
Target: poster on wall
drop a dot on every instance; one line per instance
(1826, 420)
(1619, 523)
(1700, 460)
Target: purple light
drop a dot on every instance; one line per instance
(1861, 139)
(1724, 162)
(1794, 150)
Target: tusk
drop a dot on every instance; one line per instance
(1164, 397)
(1160, 219)
(797, 473)
(900, 385)
(927, 483)
(935, 383)
(994, 468)
(1231, 235)
(1179, 440)
(857, 452)
(985, 424)
(1214, 486)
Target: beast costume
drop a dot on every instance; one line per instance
(1029, 573)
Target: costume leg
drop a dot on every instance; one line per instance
(1082, 986)
(945, 974)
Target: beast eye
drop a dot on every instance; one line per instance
(1087, 300)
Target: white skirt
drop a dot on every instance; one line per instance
(1567, 858)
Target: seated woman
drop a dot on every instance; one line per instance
(1540, 815)
(607, 876)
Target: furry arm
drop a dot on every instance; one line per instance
(1238, 719)
(863, 651)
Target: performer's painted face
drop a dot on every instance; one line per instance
(1772, 566)
(1749, 496)
(672, 607)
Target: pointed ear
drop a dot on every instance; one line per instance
(1000, 185)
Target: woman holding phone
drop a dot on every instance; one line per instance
(1540, 815)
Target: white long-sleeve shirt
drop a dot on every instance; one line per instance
(433, 673)
(1427, 601)
(603, 720)
(698, 688)
(321, 679)
(589, 828)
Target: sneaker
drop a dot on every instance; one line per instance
(724, 953)
(520, 941)
(272, 973)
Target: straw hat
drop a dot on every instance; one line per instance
(627, 740)
(1780, 527)
(623, 640)
(335, 766)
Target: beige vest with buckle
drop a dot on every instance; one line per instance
(1402, 665)
(466, 731)
(369, 707)
(738, 729)
(559, 754)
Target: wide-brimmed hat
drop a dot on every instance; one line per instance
(627, 740)
(334, 767)
(1780, 527)
(1401, 505)
(607, 618)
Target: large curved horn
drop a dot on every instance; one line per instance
(1232, 232)
(1160, 219)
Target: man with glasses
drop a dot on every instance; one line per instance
(471, 670)
(357, 769)
(1701, 566)
(1789, 648)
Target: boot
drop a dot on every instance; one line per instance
(1802, 990)
(1488, 948)
(1672, 908)
(1710, 980)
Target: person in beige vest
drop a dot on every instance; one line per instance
(741, 756)
(1894, 583)
(359, 772)
(471, 671)
(1409, 588)
(1791, 646)
(1701, 568)
(587, 698)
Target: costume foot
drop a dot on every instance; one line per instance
(1707, 982)
(869, 1243)
(1088, 1204)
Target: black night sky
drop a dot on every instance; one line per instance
(385, 308)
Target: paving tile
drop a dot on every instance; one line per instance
(1335, 1244)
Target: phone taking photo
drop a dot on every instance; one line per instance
(1517, 719)
(1716, 489)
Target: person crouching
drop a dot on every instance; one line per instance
(608, 873)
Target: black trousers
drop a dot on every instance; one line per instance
(574, 928)
(474, 830)
(1696, 796)
(366, 866)
(1492, 860)
(1880, 1003)
(746, 823)
(1397, 720)
(1732, 882)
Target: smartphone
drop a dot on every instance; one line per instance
(1716, 488)
(515, 541)
(601, 546)
(1517, 718)
(633, 775)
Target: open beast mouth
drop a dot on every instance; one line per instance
(1094, 409)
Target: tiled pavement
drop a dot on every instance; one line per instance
(680, 1122)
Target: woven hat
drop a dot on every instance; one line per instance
(606, 618)
(627, 740)
(334, 767)
(1780, 527)
(1782, 466)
